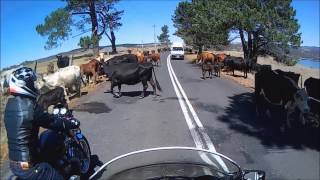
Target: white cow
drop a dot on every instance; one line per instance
(101, 56)
(69, 78)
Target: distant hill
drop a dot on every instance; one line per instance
(306, 52)
(311, 52)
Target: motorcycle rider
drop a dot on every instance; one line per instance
(23, 118)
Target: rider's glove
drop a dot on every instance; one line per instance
(70, 123)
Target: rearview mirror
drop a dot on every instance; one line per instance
(253, 175)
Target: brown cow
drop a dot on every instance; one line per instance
(205, 57)
(199, 58)
(140, 57)
(207, 60)
(220, 57)
(155, 58)
(90, 69)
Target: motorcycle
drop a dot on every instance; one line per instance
(68, 152)
(174, 163)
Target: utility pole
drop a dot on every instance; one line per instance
(154, 35)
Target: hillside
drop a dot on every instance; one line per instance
(311, 52)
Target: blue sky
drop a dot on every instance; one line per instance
(20, 41)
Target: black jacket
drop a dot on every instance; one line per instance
(23, 118)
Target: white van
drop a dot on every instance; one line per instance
(177, 51)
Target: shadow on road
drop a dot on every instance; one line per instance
(133, 93)
(93, 107)
(136, 93)
(241, 117)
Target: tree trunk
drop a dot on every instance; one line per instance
(94, 27)
(250, 46)
(255, 47)
(113, 42)
(243, 42)
(200, 49)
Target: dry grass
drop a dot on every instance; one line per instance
(3, 133)
(4, 152)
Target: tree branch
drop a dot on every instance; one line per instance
(234, 38)
(104, 25)
(78, 13)
(108, 36)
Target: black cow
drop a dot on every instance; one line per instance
(146, 53)
(126, 58)
(312, 86)
(52, 97)
(294, 76)
(217, 66)
(130, 74)
(100, 69)
(63, 61)
(237, 63)
(280, 90)
(258, 67)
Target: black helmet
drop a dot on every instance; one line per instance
(22, 82)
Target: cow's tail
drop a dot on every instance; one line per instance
(155, 79)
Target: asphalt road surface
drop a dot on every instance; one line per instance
(215, 114)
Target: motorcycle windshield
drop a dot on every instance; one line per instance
(169, 162)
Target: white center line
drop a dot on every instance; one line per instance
(192, 127)
(195, 136)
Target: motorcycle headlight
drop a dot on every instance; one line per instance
(63, 111)
(56, 111)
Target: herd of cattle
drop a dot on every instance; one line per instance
(215, 62)
(272, 87)
(279, 88)
(57, 86)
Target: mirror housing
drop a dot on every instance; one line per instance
(253, 175)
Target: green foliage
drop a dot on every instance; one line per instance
(199, 25)
(87, 41)
(265, 27)
(97, 15)
(269, 27)
(291, 61)
(164, 36)
(57, 27)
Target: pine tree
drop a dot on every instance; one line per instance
(101, 15)
(164, 36)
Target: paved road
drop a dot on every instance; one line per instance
(218, 115)
(225, 110)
